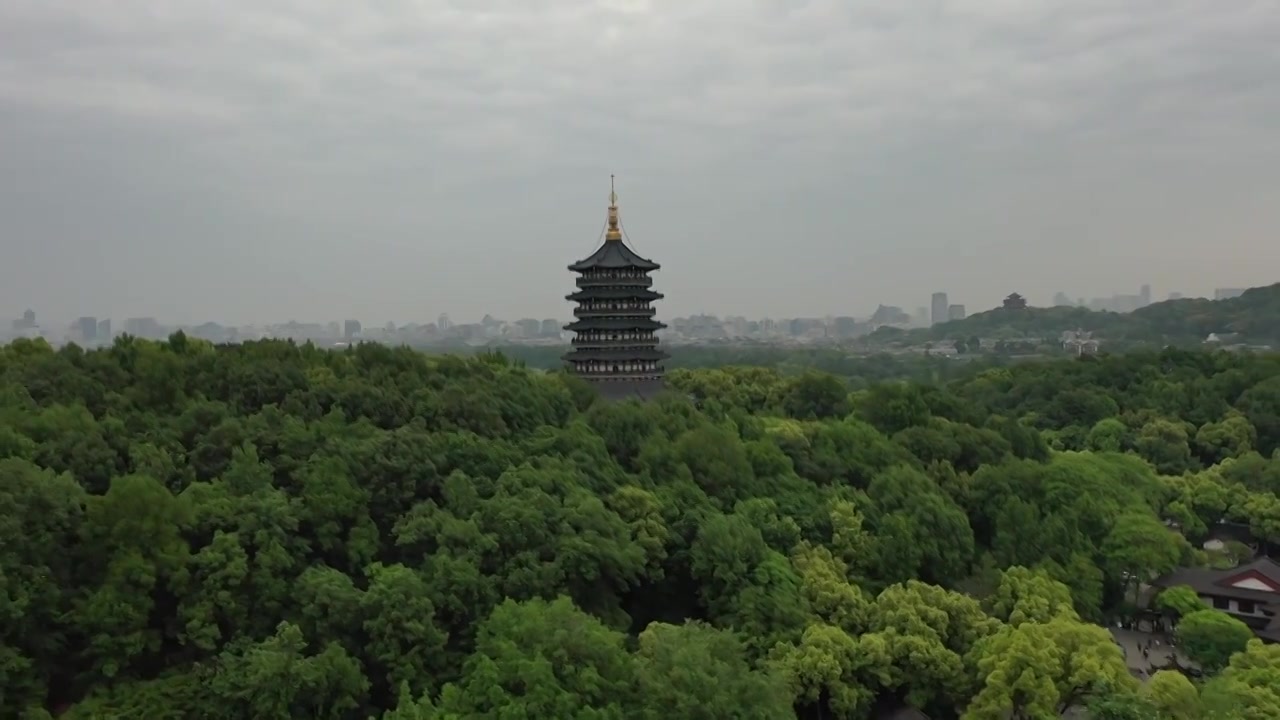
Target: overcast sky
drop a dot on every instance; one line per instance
(392, 160)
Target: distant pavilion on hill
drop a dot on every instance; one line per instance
(1249, 592)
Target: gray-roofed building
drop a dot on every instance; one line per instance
(1249, 592)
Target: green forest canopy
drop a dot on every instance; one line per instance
(275, 531)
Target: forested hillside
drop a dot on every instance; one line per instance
(1254, 317)
(856, 370)
(267, 531)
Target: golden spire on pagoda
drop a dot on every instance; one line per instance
(614, 232)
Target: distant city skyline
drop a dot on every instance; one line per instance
(922, 316)
(1042, 298)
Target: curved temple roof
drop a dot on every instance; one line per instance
(614, 254)
(615, 323)
(620, 293)
(640, 353)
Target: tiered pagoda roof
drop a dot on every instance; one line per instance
(614, 254)
(613, 293)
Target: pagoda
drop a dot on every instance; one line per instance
(615, 345)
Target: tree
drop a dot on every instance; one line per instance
(1173, 696)
(816, 396)
(1247, 688)
(544, 659)
(1029, 596)
(1043, 669)
(1210, 637)
(1164, 444)
(893, 407)
(1179, 600)
(1108, 435)
(1231, 437)
(40, 518)
(1139, 548)
(277, 679)
(698, 672)
(827, 670)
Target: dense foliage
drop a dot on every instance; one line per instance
(272, 531)
(856, 368)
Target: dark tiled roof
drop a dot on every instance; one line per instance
(1225, 530)
(620, 354)
(1272, 631)
(614, 293)
(614, 324)
(1215, 582)
(614, 254)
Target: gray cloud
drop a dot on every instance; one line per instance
(323, 158)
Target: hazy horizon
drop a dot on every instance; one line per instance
(324, 160)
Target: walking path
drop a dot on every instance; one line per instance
(1147, 652)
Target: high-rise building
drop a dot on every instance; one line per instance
(921, 317)
(87, 329)
(529, 327)
(104, 330)
(615, 346)
(955, 312)
(26, 323)
(146, 327)
(938, 308)
(351, 329)
(1144, 295)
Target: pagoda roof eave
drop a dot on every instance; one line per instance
(615, 324)
(615, 355)
(614, 255)
(621, 293)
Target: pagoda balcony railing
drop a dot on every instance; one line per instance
(637, 343)
(629, 313)
(632, 282)
(620, 375)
